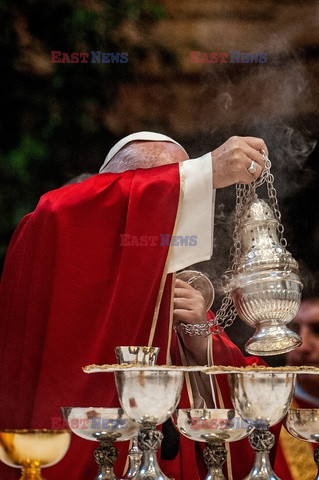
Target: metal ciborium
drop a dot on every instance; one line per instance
(149, 397)
(32, 450)
(214, 427)
(143, 356)
(263, 398)
(265, 286)
(104, 425)
(303, 423)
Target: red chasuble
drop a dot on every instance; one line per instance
(71, 293)
(74, 288)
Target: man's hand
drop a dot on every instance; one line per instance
(189, 304)
(189, 307)
(233, 158)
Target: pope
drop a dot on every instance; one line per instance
(70, 292)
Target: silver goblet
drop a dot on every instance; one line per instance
(213, 426)
(303, 423)
(104, 425)
(263, 398)
(143, 356)
(149, 397)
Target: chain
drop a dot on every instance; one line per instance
(245, 194)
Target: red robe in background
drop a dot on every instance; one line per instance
(70, 293)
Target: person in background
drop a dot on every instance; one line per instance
(294, 460)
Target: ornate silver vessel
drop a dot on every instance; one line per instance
(265, 286)
(303, 423)
(265, 399)
(149, 398)
(214, 427)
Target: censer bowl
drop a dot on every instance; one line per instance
(267, 303)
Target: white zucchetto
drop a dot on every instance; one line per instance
(147, 136)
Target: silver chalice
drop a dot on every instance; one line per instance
(303, 423)
(215, 427)
(263, 398)
(104, 425)
(143, 356)
(149, 397)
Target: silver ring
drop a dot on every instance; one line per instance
(253, 167)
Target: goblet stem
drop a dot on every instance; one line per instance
(149, 441)
(135, 456)
(31, 472)
(215, 456)
(106, 455)
(262, 442)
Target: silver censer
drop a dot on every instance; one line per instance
(265, 287)
(262, 285)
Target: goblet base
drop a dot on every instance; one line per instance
(262, 442)
(215, 456)
(215, 474)
(150, 469)
(272, 339)
(105, 456)
(149, 441)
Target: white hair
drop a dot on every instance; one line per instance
(129, 157)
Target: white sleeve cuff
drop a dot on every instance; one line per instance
(193, 240)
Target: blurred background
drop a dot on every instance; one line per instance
(59, 119)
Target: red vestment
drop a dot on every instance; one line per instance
(70, 293)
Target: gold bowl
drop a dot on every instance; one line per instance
(31, 450)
